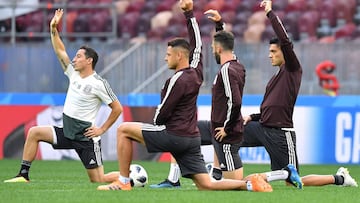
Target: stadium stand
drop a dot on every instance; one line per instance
(304, 20)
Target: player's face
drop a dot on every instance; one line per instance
(276, 55)
(80, 62)
(171, 57)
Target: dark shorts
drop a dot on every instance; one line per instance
(88, 151)
(280, 144)
(186, 150)
(228, 156)
(205, 131)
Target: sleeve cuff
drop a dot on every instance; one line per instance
(189, 14)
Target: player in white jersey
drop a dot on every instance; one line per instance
(86, 93)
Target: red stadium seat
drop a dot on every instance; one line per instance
(135, 6)
(345, 32)
(308, 23)
(328, 12)
(128, 23)
(144, 23)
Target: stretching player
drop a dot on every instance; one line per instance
(86, 93)
(175, 122)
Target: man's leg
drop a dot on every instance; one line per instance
(126, 133)
(173, 177)
(35, 135)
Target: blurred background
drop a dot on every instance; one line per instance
(131, 36)
(131, 39)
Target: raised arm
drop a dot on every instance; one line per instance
(56, 42)
(194, 35)
(215, 16)
(291, 61)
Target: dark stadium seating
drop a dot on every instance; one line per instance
(313, 19)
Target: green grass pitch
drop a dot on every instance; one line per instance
(66, 181)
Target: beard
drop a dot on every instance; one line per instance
(217, 58)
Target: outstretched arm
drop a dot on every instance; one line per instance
(58, 45)
(194, 35)
(291, 61)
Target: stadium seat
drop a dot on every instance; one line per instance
(280, 5)
(135, 6)
(324, 28)
(345, 10)
(246, 5)
(127, 24)
(290, 22)
(165, 5)
(308, 23)
(228, 16)
(230, 5)
(214, 4)
(346, 32)
(299, 5)
(144, 23)
(328, 12)
(81, 24)
(242, 17)
(150, 6)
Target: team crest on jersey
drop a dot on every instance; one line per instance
(87, 89)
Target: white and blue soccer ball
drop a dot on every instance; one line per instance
(138, 176)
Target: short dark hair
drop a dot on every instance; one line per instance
(226, 39)
(90, 53)
(179, 42)
(274, 40)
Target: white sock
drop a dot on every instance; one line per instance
(249, 186)
(124, 180)
(174, 173)
(277, 175)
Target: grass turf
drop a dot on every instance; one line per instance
(67, 181)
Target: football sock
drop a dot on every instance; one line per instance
(124, 180)
(249, 186)
(339, 180)
(174, 173)
(24, 170)
(217, 173)
(277, 175)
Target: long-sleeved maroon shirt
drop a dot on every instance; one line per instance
(178, 109)
(282, 90)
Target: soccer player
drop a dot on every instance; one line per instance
(273, 126)
(175, 122)
(226, 119)
(260, 129)
(86, 93)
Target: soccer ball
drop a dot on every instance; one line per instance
(138, 175)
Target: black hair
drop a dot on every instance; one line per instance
(90, 53)
(274, 40)
(226, 39)
(179, 42)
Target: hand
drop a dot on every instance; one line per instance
(246, 119)
(57, 18)
(213, 15)
(93, 131)
(220, 134)
(186, 5)
(267, 4)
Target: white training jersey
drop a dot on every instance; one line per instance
(85, 95)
